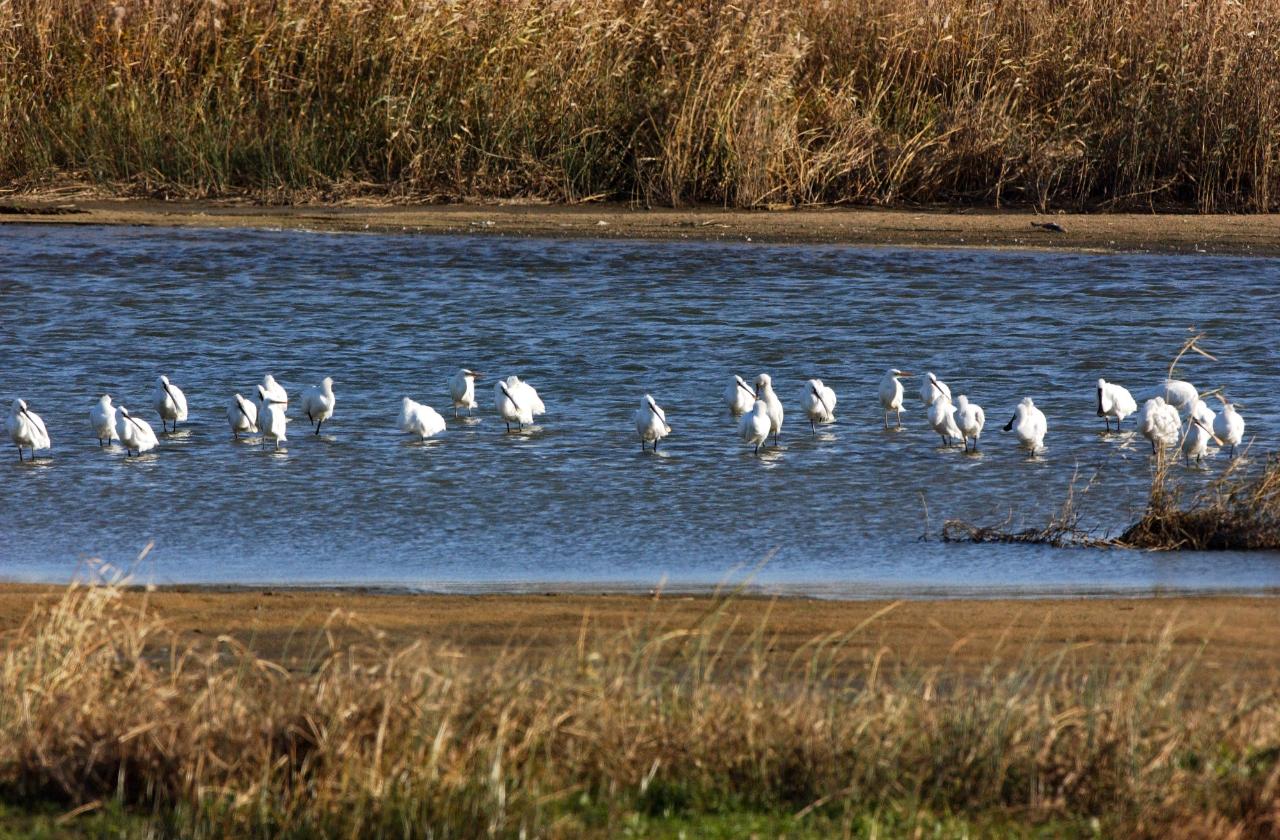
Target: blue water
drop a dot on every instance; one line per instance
(593, 326)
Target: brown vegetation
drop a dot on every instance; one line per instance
(1098, 104)
(99, 703)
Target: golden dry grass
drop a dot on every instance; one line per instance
(1096, 104)
(99, 703)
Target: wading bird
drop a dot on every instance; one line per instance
(942, 417)
(1178, 393)
(170, 403)
(1114, 401)
(819, 403)
(421, 420)
(931, 388)
(1029, 424)
(318, 402)
(242, 416)
(755, 425)
(739, 397)
(764, 393)
(1196, 442)
(274, 392)
(517, 402)
(1159, 423)
(271, 419)
(891, 394)
(1229, 425)
(27, 429)
(462, 389)
(1201, 411)
(970, 418)
(136, 434)
(103, 418)
(651, 422)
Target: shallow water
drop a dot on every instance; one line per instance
(594, 325)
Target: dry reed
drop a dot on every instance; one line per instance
(100, 704)
(1096, 104)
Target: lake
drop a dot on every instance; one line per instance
(594, 325)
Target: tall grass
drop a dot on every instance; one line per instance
(100, 704)
(1091, 104)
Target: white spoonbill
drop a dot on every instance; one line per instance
(103, 418)
(970, 418)
(755, 425)
(942, 417)
(136, 434)
(891, 394)
(274, 391)
(764, 393)
(1029, 424)
(932, 387)
(170, 403)
(421, 420)
(651, 422)
(462, 389)
(517, 401)
(1229, 425)
(318, 402)
(242, 416)
(27, 429)
(1114, 401)
(1159, 423)
(1196, 442)
(1201, 411)
(1178, 393)
(739, 396)
(819, 403)
(271, 418)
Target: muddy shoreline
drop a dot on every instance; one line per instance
(1236, 637)
(1239, 235)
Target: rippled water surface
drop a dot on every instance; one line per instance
(595, 325)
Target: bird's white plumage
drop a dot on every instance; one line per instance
(818, 401)
(651, 422)
(1114, 402)
(272, 390)
(1195, 444)
(136, 434)
(932, 387)
(1229, 425)
(942, 417)
(1159, 423)
(739, 396)
(765, 394)
(891, 393)
(462, 390)
(169, 401)
(755, 425)
(103, 418)
(970, 418)
(517, 401)
(1201, 411)
(1029, 424)
(1178, 393)
(26, 429)
(272, 421)
(242, 415)
(318, 402)
(418, 419)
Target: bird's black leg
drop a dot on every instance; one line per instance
(20, 458)
(813, 429)
(318, 425)
(899, 419)
(655, 444)
(508, 428)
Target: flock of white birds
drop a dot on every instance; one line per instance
(758, 409)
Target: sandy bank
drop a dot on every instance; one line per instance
(1213, 234)
(1241, 635)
